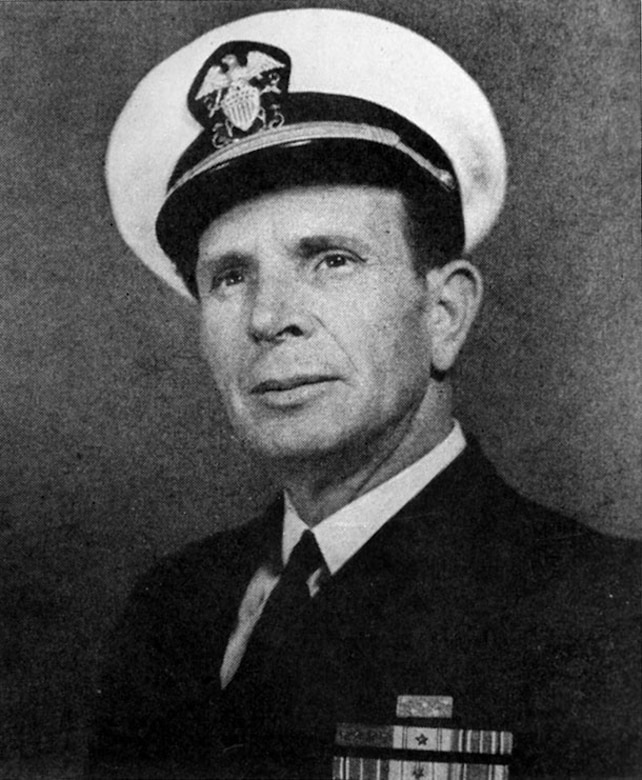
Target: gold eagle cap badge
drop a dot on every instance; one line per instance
(240, 91)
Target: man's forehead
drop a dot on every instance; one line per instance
(309, 215)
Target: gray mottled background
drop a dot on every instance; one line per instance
(113, 447)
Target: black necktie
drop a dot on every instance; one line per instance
(256, 698)
(286, 604)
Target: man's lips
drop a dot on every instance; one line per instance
(290, 383)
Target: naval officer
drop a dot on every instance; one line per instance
(315, 180)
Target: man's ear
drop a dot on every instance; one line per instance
(456, 292)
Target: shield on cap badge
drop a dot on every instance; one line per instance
(242, 104)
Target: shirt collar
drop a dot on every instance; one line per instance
(342, 534)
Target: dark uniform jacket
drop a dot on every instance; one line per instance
(529, 621)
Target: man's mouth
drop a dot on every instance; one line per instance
(290, 383)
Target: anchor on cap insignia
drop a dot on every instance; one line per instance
(240, 91)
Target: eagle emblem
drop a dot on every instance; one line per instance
(239, 91)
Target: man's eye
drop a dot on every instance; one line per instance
(227, 279)
(338, 260)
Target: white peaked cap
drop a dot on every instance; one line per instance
(332, 52)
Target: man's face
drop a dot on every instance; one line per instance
(314, 321)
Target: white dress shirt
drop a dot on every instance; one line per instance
(339, 536)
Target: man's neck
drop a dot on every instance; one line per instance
(318, 488)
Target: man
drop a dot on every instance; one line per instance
(314, 178)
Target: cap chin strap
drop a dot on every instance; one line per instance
(299, 134)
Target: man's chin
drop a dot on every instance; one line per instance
(292, 428)
(299, 450)
(296, 443)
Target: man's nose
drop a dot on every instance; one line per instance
(279, 310)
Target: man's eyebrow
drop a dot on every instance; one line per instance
(224, 260)
(312, 245)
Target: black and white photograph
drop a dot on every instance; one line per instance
(321, 390)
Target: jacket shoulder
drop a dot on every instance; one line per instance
(210, 558)
(159, 675)
(534, 549)
(561, 548)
